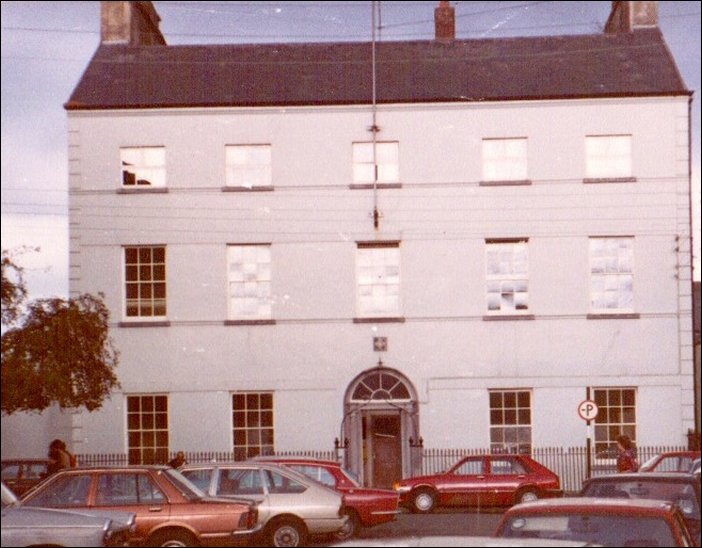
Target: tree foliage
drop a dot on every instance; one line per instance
(59, 351)
(14, 292)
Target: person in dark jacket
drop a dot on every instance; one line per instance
(178, 461)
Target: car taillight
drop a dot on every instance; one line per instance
(248, 519)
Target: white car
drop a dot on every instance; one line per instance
(28, 526)
(290, 505)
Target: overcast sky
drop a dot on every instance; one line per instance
(47, 45)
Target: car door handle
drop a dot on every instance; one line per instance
(155, 509)
(481, 477)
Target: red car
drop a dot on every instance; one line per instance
(671, 461)
(479, 481)
(365, 507)
(170, 511)
(598, 521)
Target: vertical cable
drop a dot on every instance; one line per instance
(374, 127)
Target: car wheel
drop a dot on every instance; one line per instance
(526, 495)
(350, 529)
(287, 532)
(424, 501)
(176, 539)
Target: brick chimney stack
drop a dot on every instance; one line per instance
(629, 16)
(133, 23)
(445, 22)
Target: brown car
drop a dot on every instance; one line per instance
(170, 511)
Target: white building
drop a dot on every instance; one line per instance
(522, 244)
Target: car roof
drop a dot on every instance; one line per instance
(594, 504)
(115, 467)
(310, 460)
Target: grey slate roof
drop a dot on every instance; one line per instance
(576, 66)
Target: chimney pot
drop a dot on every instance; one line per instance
(445, 22)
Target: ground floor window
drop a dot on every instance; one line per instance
(510, 421)
(147, 429)
(253, 424)
(616, 415)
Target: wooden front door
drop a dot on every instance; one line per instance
(387, 449)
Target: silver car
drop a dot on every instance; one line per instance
(28, 526)
(290, 505)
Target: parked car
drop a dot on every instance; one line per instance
(365, 507)
(20, 475)
(480, 480)
(441, 541)
(681, 489)
(25, 526)
(671, 461)
(290, 505)
(170, 511)
(601, 521)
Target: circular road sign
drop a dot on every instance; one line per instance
(588, 410)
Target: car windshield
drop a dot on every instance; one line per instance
(604, 530)
(8, 497)
(681, 493)
(187, 488)
(351, 477)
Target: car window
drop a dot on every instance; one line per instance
(35, 471)
(318, 473)
(277, 483)
(200, 477)
(116, 489)
(10, 472)
(64, 491)
(187, 488)
(469, 467)
(506, 466)
(681, 493)
(605, 530)
(241, 481)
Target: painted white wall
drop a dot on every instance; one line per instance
(441, 217)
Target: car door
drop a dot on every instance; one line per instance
(503, 480)
(464, 485)
(133, 492)
(242, 482)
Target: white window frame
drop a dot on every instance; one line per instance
(507, 273)
(145, 276)
(505, 159)
(608, 156)
(387, 159)
(611, 273)
(153, 434)
(615, 415)
(511, 427)
(378, 278)
(249, 280)
(254, 423)
(145, 166)
(248, 165)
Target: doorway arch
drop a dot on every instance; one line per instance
(381, 424)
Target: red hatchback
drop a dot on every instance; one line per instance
(479, 481)
(365, 507)
(671, 461)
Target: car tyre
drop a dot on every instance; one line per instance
(424, 501)
(287, 532)
(526, 495)
(172, 538)
(350, 529)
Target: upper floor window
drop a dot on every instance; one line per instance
(608, 156)
(378, 277)
(143, 167)
(387, 160)
(145, 281)
(507, 276)
(611, 274)
(249, 279)
(248, 166)
(505, 159)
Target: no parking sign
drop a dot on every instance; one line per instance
(588, 410)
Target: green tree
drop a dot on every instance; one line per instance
(54, 350)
